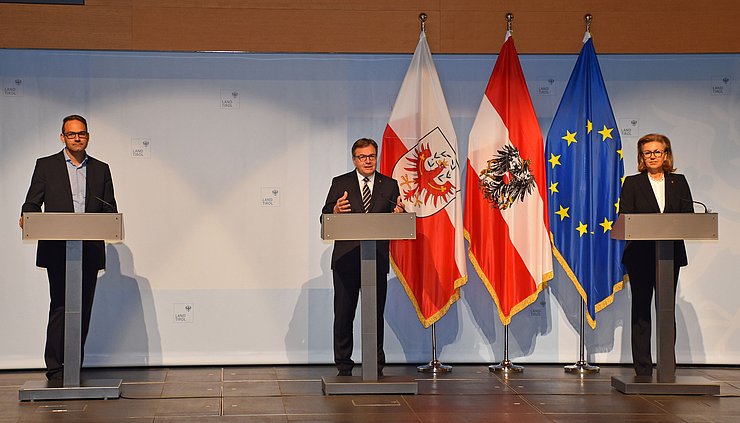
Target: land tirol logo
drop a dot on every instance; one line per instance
(427, 174)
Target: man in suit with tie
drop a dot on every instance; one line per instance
(363, 190)
(74, 182)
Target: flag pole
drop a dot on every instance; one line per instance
(581, 366)
(506, 366)
(434, 366)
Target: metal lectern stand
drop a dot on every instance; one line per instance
(73, 228)
(665, 228)
(368, 228)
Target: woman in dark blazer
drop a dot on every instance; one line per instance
(656, 189)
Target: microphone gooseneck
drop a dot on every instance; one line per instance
(112, 209)
(706, 209)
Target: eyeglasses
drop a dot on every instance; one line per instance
(657, 153)
(82, 134)
(363, 157)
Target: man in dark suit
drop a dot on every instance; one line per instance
(362, 190)
(69, 181)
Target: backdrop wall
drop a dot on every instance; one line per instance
(221, 163)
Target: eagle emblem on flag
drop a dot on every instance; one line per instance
(427, 174)
(506, 178)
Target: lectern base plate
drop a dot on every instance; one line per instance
(684, 385)
(37, 390)
(354, 385)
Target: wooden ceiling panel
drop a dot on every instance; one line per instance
(380, 26)
(277, 30)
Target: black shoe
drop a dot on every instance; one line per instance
(55, 375)
(344, 372)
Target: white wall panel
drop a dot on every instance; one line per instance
(258, 277)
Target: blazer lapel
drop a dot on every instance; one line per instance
(62, 175)
(90, 180)
(670, 195)
(380, 203)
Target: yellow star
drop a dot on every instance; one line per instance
(606, 224)
(582, 228)
(606, 133)
(616, 205)
(570, 137)
(621, 157)
(563, 212)
(554, 188)
(622, 179)
(554, 160)
(589, 126)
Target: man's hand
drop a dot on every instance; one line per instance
(342, 205)
(399, 206)
(20, 222)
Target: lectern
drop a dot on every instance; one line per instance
(368, 228)
(664, 228)
(73, 228)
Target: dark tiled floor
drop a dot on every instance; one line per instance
(469, 394)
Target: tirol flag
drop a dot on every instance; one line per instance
(585, 174)
(505, 194)
(420, 152)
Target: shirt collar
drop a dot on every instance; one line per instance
(360, 177)
(69, 160)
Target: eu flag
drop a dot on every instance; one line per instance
(584, 176)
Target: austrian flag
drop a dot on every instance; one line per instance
(506, 221)
(420, 151)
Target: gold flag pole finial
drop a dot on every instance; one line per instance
(588, 18)
(509, 18)
(423, 19)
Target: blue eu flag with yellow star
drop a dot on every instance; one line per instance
(584, 175)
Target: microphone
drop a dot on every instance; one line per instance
(706, 209)
(109, 205)
(394, 203)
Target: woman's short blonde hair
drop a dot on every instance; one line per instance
(667, 163)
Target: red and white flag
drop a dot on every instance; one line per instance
(506, 220)
(420, 152)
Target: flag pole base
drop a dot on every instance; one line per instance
(435, 367)
(582, 368)
(506, 366)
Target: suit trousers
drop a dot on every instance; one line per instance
(642, 286)
(346, 294)
(54, 351)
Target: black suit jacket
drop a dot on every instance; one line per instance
(50, 187)
(638, 197)
(384, 196)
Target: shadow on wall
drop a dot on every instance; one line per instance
(688, 331)
(124, 329)
(600, 340)
(524, 328)
(309, 335)
(415, 341)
